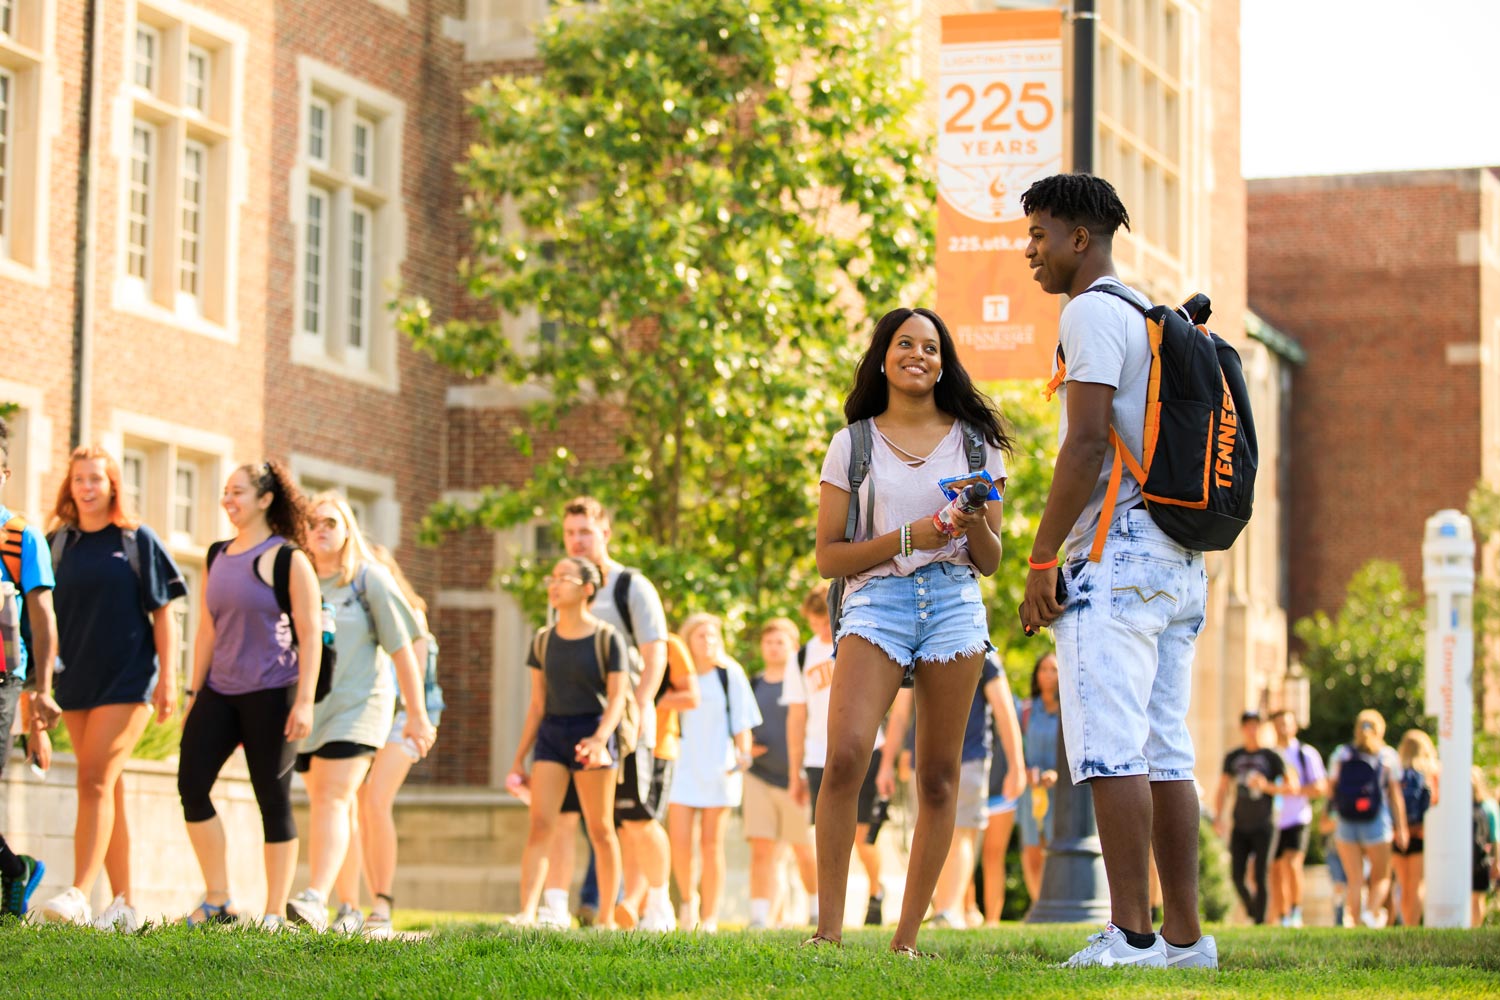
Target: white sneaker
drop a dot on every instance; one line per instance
(1374, 919)
(657, 919)
(273, 923)
(1293, 919)
(551, 919)
(309, 908)
(378, 926)
(68, 907)
(687, 914)
(1109, 947)
(709, 926)
(348, 920)
(1201, 954)
(118, 916)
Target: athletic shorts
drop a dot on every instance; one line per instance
(1290, 840)
(936, 615)
(973, 795)
(867, 796)
(333, 750)
(558, 735)
(1125, 653)
(770, 814)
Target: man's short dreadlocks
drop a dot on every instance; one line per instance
(1080, 200)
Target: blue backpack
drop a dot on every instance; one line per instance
(1417, 795)
(1356, 794)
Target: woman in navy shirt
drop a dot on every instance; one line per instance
(115, 585)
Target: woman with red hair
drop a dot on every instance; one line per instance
(115, 583)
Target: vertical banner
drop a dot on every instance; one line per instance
(1000, 127)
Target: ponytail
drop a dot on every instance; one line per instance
(289, 511)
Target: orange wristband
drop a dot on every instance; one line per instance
(1041, 566)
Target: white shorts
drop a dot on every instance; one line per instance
(1125, 654)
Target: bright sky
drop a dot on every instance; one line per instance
(1348, 86)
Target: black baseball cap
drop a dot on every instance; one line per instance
(1250, 715)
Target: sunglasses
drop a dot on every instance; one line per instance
(326, 523)
(574, 580)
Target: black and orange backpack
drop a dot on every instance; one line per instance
(1197, 467)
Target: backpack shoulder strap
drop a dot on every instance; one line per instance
(602, 634)
(1119, 292)
(621, 594)
(539, 646)
(214, 549)
(61, 539)
(973, 445)
(723, 673)
(132, 541)
(802, 657)
(358, 585)
(861, 450)
(10, 548)
(281, 579)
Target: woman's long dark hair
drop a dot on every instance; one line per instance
(289, 512)
(1036, 686)
(955, 395)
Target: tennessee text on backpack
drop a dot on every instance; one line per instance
(1197, 467)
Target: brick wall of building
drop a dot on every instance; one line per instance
(1370, 273)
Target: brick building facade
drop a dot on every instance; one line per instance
(263, 176)
(1391, 281)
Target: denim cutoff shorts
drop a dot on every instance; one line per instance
(935, 614)
(1379, 829)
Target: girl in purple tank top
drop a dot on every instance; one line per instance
(254, 673)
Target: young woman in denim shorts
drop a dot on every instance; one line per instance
(576, 705)
(912, 609)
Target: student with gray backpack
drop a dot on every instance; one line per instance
(373, 627)
(117, 662)
(1365, 778)
(906, 607)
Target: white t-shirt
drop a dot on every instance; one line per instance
(1104, 341)
(904, 493)
(810, 685)
(703, 777)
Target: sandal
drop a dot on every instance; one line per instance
(907, 951)
(819, 941)
(207, 913)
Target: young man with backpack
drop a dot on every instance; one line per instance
(1126, 601)
(1294, 821)
(1257, 775)
(26, 589)
(629, 603)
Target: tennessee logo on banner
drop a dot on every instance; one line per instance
(1000, 127)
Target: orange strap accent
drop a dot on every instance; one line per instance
(1123, 458)
(10, 548)
(1059, 378)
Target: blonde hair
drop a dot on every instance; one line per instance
(815, 604)
(1369, 731)
(356, 551)
(784, 625)
(1481, 784)
(694, 623)
(1418, 753)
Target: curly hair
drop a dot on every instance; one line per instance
(1079, 200)
(955, 395)
(289, 512)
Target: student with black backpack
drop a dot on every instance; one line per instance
(1365, 775)
(1127, 597)
(1419, 790)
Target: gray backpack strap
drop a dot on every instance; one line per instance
(861, 449)
(60, 539)
(130, 539)
(358, 586)
(973, 446)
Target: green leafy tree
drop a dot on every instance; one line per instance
(1371, 655)
(715, 197)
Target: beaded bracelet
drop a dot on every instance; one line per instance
(906, 539)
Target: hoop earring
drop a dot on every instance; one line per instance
(882, 367)
(940, 376)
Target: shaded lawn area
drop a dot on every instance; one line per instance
(480, 960)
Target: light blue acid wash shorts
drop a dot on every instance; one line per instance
(1125, 653)
(1379, 829)
(936, 615)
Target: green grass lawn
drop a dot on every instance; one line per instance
(483, 960)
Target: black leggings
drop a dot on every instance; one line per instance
(220, 722)
(1242, 844)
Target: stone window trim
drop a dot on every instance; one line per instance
(360, 348)
(374, 491)
(192, 122)
(166, 450)
(32, 487)
(29, 60)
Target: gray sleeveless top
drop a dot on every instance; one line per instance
(252, 638)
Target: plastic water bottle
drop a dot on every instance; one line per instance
(969, 499)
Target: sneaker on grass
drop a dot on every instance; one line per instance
(70, 906)
(118, 916)
(348, 921)
(873, 915)
(273, 923)
(1109, 947)
(378, 926)
(206, 914)
(658, 918)
(17, 891)
(1201, 954)
(309, 909)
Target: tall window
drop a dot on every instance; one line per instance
(177, 216)
(185, 498)
(133, 478)
(315, 262)
(195, 93)
(194, 159)
(147, 45)
(29, 88)
(7, 14)
(138, 240)
(346, 216)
